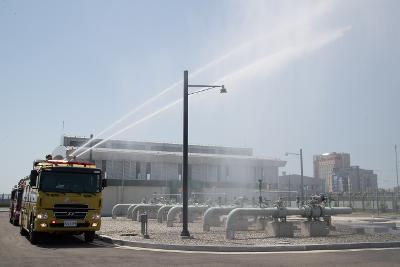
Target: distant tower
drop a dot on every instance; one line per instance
(325, 164)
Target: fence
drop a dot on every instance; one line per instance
(374, 202)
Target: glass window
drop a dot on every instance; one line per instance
(70, 182)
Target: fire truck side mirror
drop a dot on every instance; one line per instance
(33, 178)
(104, 183)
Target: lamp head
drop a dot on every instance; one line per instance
(223, 90)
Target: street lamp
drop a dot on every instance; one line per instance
(301, 169)
(186, 85)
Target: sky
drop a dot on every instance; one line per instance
(317, 75)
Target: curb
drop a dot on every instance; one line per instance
(308, 247)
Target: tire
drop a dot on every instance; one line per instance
(33, 235)
(89, 236)
(15, 222)
(22, 231)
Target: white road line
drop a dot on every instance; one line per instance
(253, 253)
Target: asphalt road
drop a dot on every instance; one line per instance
(16, 250)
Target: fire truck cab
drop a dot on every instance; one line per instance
(62, 197)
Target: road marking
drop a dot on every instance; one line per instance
(253, 253)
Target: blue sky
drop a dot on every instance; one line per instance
(321, 75)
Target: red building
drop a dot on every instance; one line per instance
(325, 165)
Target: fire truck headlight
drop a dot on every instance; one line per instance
(42, 215)
(96, 216)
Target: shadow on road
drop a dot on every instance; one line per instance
(56, 241)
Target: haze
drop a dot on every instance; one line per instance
(320, 75)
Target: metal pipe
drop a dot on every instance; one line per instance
(173, 212)
(305, 211)
(114, 209)
(162, 212)
(335, 211)
(128, 213)
(144, 208)
(212, 216)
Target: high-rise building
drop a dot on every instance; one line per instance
(325, 165)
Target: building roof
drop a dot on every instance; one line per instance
(135, 150)
(112, 153)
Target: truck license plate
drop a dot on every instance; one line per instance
(70, 223)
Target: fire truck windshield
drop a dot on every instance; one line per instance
(70, 182)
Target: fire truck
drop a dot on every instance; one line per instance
(15, 203)
(62, 197)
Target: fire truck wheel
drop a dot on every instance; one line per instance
(33, 235)
(89, 236)
(22, 230)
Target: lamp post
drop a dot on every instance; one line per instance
(186, 85)
(301, 170)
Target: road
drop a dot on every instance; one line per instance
(16, 250)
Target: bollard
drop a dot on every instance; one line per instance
(143, 224)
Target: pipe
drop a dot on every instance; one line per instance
(128, 213)
(162, 212)
(335, 211)
(212, 216)
(279, 212)
(114, 209)
(238, 212)
(173, 212)
(143, 207)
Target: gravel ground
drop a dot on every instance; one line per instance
(126, 229)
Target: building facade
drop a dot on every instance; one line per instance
(292, 183)
(137, 170)
(325, 164)
(355, 180)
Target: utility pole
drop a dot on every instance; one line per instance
(301, 199)
(302, 176)
(289, 198)
(349, 188)
(397, 176)
(259, 189)
(185, 231)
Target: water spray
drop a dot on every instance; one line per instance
(133, 124)
(169, 88)
(281, 56)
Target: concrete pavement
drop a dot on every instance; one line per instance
(16, 250)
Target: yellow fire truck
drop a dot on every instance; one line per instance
(62, 197)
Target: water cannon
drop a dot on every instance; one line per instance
(223, 90)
